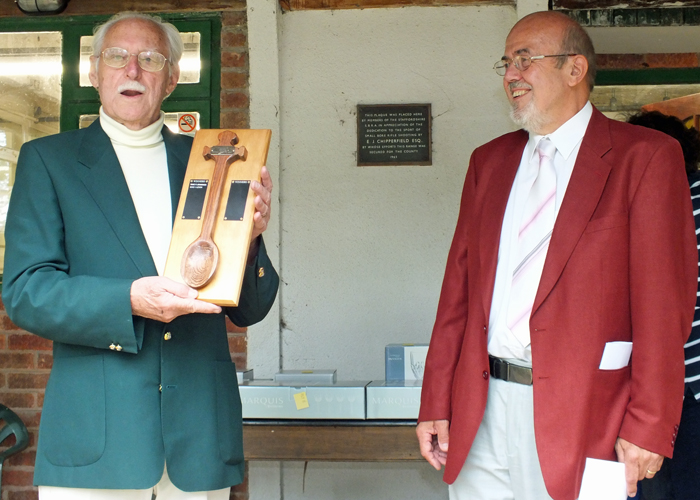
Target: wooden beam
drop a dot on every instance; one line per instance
(620, 4)
(367, 4)
(8, 8)
(330, 443)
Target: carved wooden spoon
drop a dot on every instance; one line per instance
(202, 256)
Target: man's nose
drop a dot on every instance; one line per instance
(132, 66)
(512, 73)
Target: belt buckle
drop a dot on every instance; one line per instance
(519, 374)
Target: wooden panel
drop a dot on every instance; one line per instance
(232, 237)
(8, 8)
(361, 443)
(620, 4)
(366, 4)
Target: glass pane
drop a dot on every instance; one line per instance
(30, 101)
(186, 122)
(189, 64)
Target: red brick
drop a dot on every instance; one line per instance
(234, 119)
(234, 100)
(231, 327)
(231, 80)
(30, 494)
(233, 39)
(14, 477)
(233, 60)
(2, 380)
(27, 380)
(238, 344)
(31, 420)
(24, 360)
(16, 400)
(40, 399)
(7, 324)
(240, 361)
(27, 341)
(45, 360)
(620, 61)
(24, 459)
(234, 19)
(671, 60)
(3, 341)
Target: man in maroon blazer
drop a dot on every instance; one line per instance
(529, 371)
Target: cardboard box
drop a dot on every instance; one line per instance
(404, 361)
(389, 400)
(269, 399)
(302, 377)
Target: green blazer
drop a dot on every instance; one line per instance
(112, 418)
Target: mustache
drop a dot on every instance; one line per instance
(519, 85)
(131, 85)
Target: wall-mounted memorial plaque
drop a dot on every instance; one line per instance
(394, 134)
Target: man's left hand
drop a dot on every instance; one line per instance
(263, 200)
(639, 463)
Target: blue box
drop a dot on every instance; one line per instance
(404, 361)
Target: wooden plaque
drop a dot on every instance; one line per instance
(233, 221)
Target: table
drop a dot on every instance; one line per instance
(331, 440)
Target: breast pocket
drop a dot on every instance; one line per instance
(608, 222)
(72, 432)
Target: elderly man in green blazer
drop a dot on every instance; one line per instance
(143, 396)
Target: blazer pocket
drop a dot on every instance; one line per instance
(72, 432)
(608, 222)
(228, 413)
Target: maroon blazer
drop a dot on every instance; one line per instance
(621, 266)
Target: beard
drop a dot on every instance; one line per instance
(528, 117)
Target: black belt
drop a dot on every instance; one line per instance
(509, 372)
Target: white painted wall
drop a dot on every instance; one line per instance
(362, 249)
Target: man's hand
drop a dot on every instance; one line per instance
(163, 299)
(639, 463)
(263, 200)
(433, 438)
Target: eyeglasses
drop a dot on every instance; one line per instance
(521, 62)
(149, 60)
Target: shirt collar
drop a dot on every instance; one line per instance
(569, 135)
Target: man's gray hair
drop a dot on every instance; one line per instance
(577, 41)
(170, 32)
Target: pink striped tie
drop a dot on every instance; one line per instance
(533, 242)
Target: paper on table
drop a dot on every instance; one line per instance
(616, 355)
(603, 480)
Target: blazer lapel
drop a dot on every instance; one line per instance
(103, 178)
(496, 194)
(178, 152)
(585, 188)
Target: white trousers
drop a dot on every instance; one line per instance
(502, 463)
(164, 490)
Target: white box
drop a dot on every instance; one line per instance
(244, 375)
(269, 399)
(302, 377)
(393, 400)
(404, 361)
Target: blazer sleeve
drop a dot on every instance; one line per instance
(259, 290)
(38, 292)
(663, 286)
(451, 319)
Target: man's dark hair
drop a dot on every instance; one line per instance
(689, 138)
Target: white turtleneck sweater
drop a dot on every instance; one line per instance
(144, 162)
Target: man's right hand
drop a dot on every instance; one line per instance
(163, 299)
(433, 438)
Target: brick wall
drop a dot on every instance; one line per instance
(25, 359)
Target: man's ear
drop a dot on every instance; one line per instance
(579, 69)
(93, 72)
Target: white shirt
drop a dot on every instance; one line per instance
(567, 139)
(144, 161)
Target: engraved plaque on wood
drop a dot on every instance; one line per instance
(232, 217)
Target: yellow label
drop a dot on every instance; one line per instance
(307, 371)
(301, 400)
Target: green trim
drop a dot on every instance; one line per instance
(656, 76)
(203, 97)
